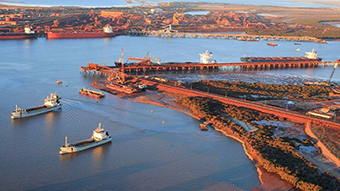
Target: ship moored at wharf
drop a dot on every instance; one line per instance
(310, 60)
(107, 32)
(129, 89)
(91, 93)
(310, 56)
(50, 104)
(99, 137)
(28, 34)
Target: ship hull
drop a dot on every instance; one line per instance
(34, 111)
(97, 96)
(273, 59)
(121, 88)
(52, 35)
(271, 44)
(81, 147)
(17, 36)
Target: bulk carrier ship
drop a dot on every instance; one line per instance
(28, 34)
(308, 57)
(107, 32)
(99, 137)
(50, 104)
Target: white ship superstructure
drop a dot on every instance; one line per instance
(207, 58)
(107, 29)
(312, 55)
(99, 137)
(50, 104)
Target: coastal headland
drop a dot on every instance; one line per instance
(220, 118)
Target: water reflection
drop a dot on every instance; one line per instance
(99, 152)
(19, 123)
(27, 43)
(49, 119)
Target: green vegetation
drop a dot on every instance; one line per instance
(275, 154)
(268, 91)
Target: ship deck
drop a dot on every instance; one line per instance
(36, 108)
(83, 143)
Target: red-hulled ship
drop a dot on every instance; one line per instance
(271, 44)
(91, 93)
(107, 32)
(28, 34)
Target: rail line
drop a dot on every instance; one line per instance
(292, 115)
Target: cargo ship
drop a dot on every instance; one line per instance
(309, 56)
(99, 137)
(91, 93)
(50, 104)
(107, 32)
(28, 34)
(271, 44)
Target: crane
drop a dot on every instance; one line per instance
(150, 58)
(335, 66)
(144, 61)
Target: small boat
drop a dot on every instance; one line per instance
(295, 43)
(271, 44)
(298, 49)
(99, 137)
(91, 93)
(50, 104)
(59, 82)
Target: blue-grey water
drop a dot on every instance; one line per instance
(110, 3)
(145, 154)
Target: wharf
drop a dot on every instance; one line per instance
(224, 36)
(187, 66)
(216, 66)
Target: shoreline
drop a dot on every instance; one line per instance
(269, 181)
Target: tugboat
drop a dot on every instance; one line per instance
(271, 44)
(50, 104)
(91, 93)
(99, 137)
